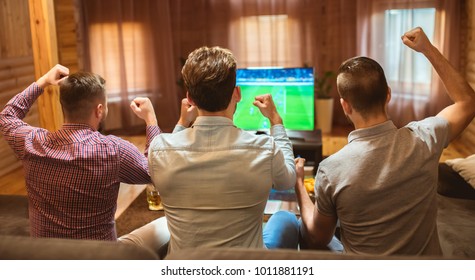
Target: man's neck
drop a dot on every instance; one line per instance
(225, 113)
(360, 122)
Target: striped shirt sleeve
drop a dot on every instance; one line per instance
(134, 165)
(13, 128)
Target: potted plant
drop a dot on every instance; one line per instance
(324, 101)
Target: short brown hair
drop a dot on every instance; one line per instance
(79, 94)
(361, 82)
(210, 77)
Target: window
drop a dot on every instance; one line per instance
(117, 53)
(405, 69)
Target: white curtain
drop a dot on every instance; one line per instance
(417, 91)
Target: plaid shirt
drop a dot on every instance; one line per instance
(72, 175)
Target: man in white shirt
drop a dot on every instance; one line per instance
(214, 178)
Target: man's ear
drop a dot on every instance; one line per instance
(99, 111)
(346, 106)
(237, 93)
(388, 96)
(189, 99)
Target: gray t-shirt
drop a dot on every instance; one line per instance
(382, 187)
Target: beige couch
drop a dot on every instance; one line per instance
(16, 243)
(27, 248)
(455, 221)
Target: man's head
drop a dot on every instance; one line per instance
(361, 83)
(82, 97)
(210, 78)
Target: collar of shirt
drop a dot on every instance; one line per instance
(72, 132)
(371, 131)
(76, 126)
(212, 121)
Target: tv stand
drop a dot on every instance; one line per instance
(308, 145)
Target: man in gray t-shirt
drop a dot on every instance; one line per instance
(382, 185)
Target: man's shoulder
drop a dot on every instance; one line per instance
(168, 139)
(110, 139)
(348, 157)
(335, 160)
(174, 135)
(430, 128)
(252, 140)
(430, 122)
(235, 137)
(258, 137)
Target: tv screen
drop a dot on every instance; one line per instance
(291, 90)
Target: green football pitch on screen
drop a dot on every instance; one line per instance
(294, 103)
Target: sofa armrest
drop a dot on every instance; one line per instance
(451, 184)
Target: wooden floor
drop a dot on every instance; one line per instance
(14, 182)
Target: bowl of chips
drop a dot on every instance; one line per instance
(309, 184)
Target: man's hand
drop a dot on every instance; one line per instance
(267, 107)
(188, 113)
(143, 108)
(417, 40)
(54, 76)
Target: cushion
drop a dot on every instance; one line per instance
(465, 167)
(451, 184)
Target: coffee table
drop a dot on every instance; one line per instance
(281, 200)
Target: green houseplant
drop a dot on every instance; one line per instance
(324, 101)
(323, 85)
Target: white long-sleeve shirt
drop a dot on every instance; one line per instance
(214, 180)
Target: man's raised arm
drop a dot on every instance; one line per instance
(12, 126)
(284, 174)
(461, 113)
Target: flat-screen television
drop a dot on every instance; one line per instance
(292, 90)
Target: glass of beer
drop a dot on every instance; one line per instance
(153, 198)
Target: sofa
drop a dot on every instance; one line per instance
(27, 248)
(455, 222)
(16, 243)
(281, 254)
(452, 184)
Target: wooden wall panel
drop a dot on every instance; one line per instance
(15, 38)
(16, 67)
(468, 136)
(45, 54)
(15, 75)
(66, 29)
(16, 58)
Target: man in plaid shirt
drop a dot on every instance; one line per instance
(73, 175)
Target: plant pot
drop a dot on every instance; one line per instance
(324, 112)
